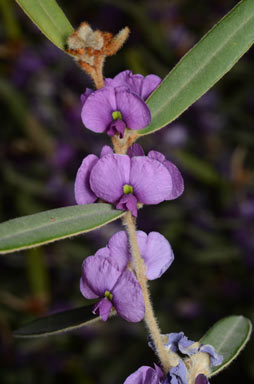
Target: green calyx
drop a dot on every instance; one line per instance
(127, 189)
(116, 115)
(108, 295)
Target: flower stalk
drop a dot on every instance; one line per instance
(168, 359)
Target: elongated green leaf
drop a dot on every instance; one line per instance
(46, 227)
(58, 323)
(202, 66)
(49, 18)
(228, 336)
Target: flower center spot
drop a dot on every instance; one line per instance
(108, 295)
(127, 189)
(117, 115)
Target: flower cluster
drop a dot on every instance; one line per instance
(109, 275)
(178, 343)
(128, 179)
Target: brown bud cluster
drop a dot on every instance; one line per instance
(90, 48)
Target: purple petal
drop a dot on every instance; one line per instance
(103, 252)
(177, 180)
(128, 298)
(155, 155)
(145, 375)
(109, 176)
(106, 150)
(128, 203)
(103, 308)
(177, 375)
(201, 379)
(135, 112)
(215, 358)
(86, 291)
(85, 95)
(119, 249)
(177, 342)
(82, 189)
(117, 126)
(99, 274)
(158, 255)
(150, 83)
(142, 86)
(150, 180)
(97, 111)
(136, 150)
(128, 80)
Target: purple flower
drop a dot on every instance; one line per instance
(112, 109)
(177, 180)
(201, 379)
(142, 86)
(177, 342)
(125, 181)
(154, 249)
(104, 275)
(177, 375)
(102, 278)
(146, 375)
(215, 358)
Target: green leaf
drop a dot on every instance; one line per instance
(228, 336)
(202, 66)
(58, 323)
(46, 227)
(49, 18)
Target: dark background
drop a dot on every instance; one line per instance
(42, 144)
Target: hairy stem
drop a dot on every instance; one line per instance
(167, 359)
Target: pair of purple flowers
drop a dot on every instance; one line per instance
(120, 104)
(108, 274)
(180, 344)
(124, 180)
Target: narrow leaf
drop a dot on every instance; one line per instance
(46, 227)
(58, 323)
(228, 336)
(202, 66)
(49, 18)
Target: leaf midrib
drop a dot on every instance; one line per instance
(49, 16)
(229, 334)
(200, 68)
